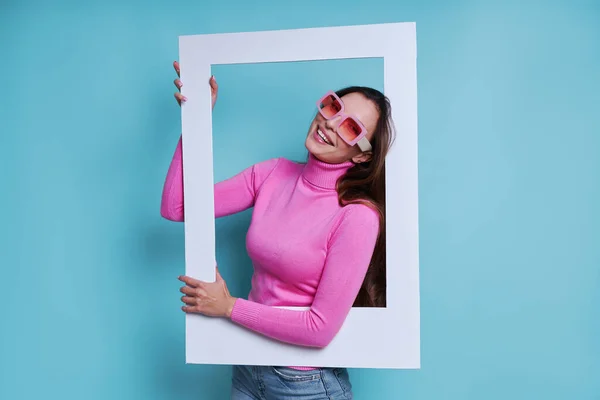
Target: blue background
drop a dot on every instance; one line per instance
(509, 158)
(264, 111)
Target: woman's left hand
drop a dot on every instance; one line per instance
(209, 298)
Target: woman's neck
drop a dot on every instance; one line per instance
(322, 174)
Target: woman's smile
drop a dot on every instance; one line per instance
(322, 137)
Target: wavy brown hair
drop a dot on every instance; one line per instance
(365, 183)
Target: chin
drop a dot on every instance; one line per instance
(319, 154)
(314, 148)
(326, 154)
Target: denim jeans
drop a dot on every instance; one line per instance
(282, 383)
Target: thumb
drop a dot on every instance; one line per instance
(213, 83)
(219, 277)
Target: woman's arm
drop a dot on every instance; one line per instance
(232, 195)
(348, 258)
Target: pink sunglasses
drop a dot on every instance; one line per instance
(349, 129)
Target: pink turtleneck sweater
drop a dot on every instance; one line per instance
(307, 251)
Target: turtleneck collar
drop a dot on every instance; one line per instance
(324, 175)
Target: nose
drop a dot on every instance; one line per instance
(332, 123)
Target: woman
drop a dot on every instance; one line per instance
(316, 240)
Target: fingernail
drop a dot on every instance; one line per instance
(184, 98)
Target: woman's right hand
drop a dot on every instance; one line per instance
(214, 87)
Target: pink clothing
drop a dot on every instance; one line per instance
(307, 251)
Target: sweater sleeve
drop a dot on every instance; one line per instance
(232, 195)
(171, 206)
(348, 257)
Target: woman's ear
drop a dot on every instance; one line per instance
(362, 157)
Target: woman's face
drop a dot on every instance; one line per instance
(338, 151)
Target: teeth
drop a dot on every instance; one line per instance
(323, 136)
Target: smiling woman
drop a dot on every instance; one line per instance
(317, 236)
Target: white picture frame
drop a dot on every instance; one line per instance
(370, 337)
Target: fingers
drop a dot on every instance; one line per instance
(193, 291)
(189, 300)
(214, 87)
(194, 299)
(190, 281)
(188, 290)
(196, 294)
(180, 98)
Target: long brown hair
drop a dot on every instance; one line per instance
(365, 183)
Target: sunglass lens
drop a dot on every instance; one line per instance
(349, 129)
(330, 106)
